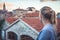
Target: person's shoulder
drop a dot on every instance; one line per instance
(46, 31)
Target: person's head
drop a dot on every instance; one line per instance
(47, 15)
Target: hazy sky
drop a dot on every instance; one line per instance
(13, 4)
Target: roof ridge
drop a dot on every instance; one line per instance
(12, 24)
(30, 26)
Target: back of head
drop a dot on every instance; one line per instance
(48, 14)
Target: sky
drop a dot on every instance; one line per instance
(14, 4)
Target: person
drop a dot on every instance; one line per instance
(48, 19)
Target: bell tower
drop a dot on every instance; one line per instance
(4, 7)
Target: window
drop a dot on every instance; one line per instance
(12, 36)
(26, 37)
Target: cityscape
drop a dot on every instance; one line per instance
(21, 23)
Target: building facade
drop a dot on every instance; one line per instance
(20, 30)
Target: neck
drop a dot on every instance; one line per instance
(46, 22)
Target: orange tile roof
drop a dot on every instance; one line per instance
(11, 19)
(34, 23)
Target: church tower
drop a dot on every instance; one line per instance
(4, 7)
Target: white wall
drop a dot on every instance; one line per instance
(21, 28)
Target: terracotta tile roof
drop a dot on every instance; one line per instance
(34, 22)
(11, 19)
(30, 18)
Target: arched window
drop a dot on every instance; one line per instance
(26, 37)
(12, 36)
